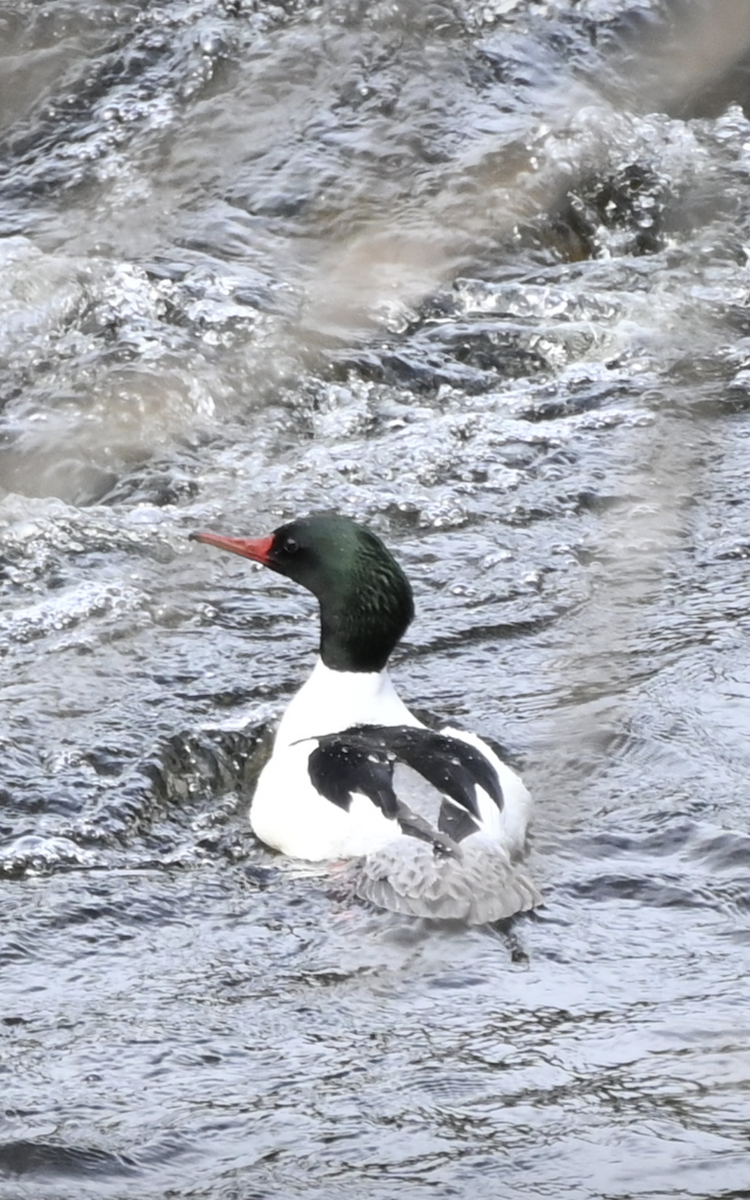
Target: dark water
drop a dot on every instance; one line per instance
(478, 275)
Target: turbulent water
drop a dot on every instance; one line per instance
(476, 274)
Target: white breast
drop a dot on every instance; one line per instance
(334, 700)
(287, 812)
(290, 815)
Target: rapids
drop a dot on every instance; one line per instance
(476, 274)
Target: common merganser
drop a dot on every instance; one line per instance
(436, 819)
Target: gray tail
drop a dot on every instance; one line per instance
(478, 885)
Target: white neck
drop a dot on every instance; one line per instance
(334, 700)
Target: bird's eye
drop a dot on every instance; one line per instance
(290, 545)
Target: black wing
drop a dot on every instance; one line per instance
(454, 767)
(340, 766)
(362, 759)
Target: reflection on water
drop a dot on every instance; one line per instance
(475, 275)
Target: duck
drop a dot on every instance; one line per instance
(433, 821)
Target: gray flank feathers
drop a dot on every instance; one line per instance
(479, 885)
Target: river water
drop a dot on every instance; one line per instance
(476, 274)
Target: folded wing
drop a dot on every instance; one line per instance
(364, 760)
